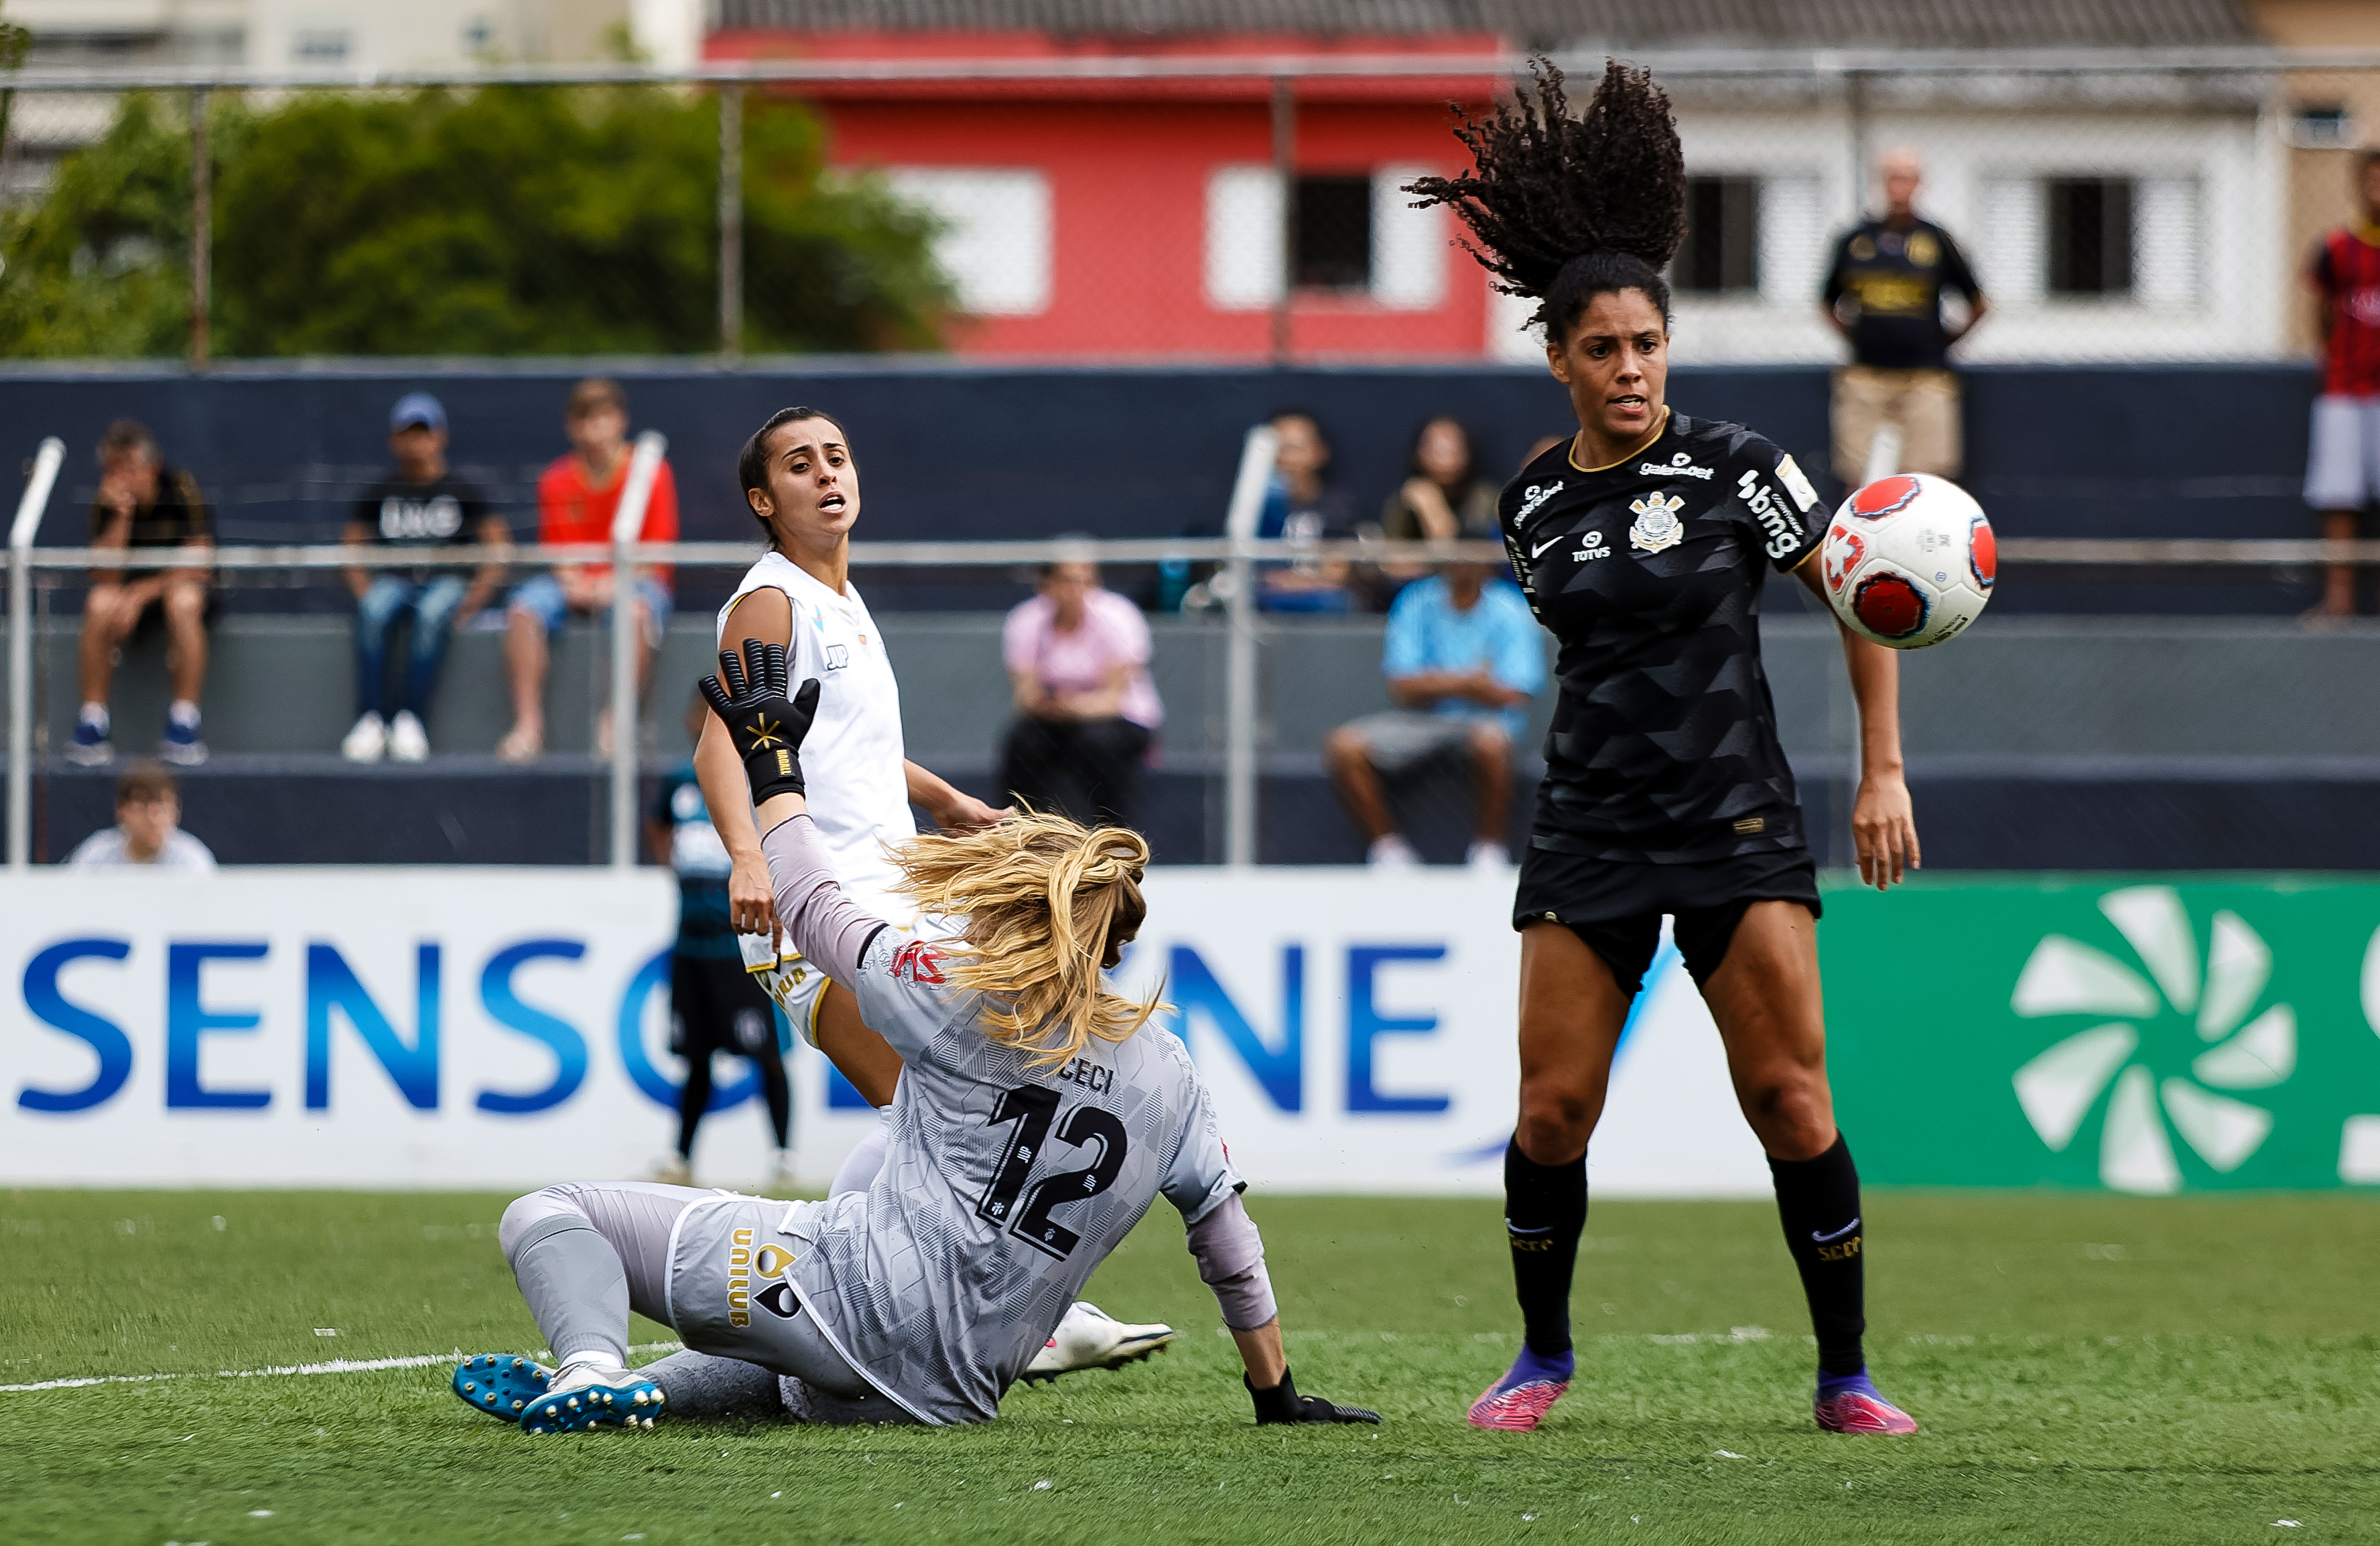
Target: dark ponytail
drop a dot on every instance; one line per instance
(1567, 209)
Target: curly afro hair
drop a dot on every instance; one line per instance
(1566, 208)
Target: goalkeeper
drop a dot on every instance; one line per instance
(1040, 1117)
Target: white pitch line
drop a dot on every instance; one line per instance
(333, 1366)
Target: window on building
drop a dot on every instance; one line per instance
(1332, 233)
(1721, 250)
(320, 45)
(2090, 246)
(994, 238)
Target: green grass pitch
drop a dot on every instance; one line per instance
(2087, 1370)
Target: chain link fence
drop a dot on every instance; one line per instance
(2140, 209)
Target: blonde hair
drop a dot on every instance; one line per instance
(1047, 902)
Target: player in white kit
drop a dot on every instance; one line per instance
(802, 484)
(1038, 1116)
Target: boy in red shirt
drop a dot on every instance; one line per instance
(575, 499)
(2343, 458)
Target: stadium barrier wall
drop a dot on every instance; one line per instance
(467, 1028)
(2183, 450)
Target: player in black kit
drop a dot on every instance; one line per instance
(1643, 544)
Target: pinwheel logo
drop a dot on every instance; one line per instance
(2169, 1036)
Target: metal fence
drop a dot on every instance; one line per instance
(2137, 206)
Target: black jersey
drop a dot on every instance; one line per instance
(1648, 573)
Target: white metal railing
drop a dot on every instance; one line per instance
(1236, 554)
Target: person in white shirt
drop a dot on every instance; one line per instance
(148, 828)
(802, 483)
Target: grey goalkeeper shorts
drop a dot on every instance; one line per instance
(1396, 739)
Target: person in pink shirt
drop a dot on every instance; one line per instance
(1086, 709)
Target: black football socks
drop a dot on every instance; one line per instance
(1545, 1210)
(1819, 1201)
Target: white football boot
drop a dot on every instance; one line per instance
(1089, 1337)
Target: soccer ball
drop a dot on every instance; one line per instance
(1909, 560)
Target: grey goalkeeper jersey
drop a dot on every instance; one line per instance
(1002, 1188)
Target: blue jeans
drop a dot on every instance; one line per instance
(432, 604)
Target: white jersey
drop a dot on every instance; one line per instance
(852, 759)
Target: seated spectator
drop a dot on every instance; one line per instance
(1463, 659)
(418, 505)
(148, 828)
(1078, 657)
(1302, 507)
(143, 504)
(576, 500)
(1440, 500)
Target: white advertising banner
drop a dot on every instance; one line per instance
(500, 1027)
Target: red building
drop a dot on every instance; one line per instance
(1141, 214)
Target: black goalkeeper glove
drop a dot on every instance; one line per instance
(1282, 1404)
(766, 727)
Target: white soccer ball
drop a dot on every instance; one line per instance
(1909, 560)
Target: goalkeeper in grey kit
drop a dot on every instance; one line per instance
(1040, 1117)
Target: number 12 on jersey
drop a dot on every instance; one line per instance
(1034, 1109)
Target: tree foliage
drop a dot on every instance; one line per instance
(502, 220)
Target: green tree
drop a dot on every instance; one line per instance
(508, 220)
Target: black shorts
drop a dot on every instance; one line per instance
(1616, 906)
(716, 1006)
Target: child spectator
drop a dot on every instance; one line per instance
(143, 504)
(576, 500)
(1302, 507)
(148, 828)
(1463, 659)
(418, 505)
(1078, 657)
(1441, 499)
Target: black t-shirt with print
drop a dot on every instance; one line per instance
(1648, 574)
(177, 515)
(1896, 280)
(444, 512)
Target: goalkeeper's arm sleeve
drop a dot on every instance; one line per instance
(1231, 1262)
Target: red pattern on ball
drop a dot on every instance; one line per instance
(1885, 496)
(1890, 605)
(1983, 553)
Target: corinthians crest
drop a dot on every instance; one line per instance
(1657, 525)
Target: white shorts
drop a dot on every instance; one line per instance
(2343, 453)
(793, 983)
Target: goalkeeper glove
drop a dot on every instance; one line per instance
(1282, 1404)
(765, 726)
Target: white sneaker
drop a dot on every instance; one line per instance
(672, 1171)
(408, 741)
(367, 741)
(1490, 856)
(1392, 852)
(1089, 1337)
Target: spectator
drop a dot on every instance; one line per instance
(148, 828)
(420, 505)
(144, 503)
(1463, 661)
(1302, 507)
(1078, 657)
(576, 500)
(1884, 293)
(1441, 498)
(2343, 451)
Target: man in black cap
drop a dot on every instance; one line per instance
(421, 504)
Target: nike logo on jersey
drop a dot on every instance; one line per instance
(1837, 1235)
(1549, 542)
